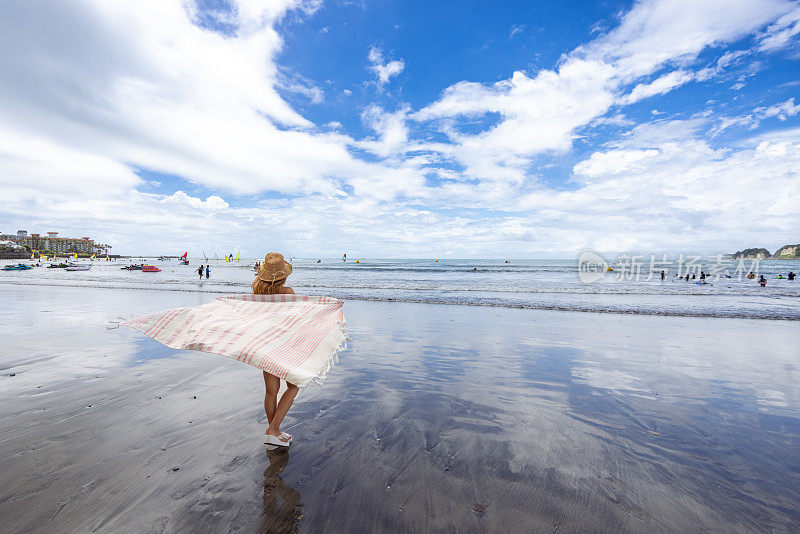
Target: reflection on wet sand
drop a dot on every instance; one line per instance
(439, 418)
(282, 510)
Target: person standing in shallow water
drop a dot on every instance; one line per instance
(208, 272)
(270, 280)
(200, 272)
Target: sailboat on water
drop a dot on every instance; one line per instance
(344, 258)
(185, 258)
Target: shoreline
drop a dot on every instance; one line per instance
(466, 302)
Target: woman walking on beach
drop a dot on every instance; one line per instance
(288, 337)
(270, 280)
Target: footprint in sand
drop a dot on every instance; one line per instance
(194, 486)
(233, 464)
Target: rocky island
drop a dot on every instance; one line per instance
(787, 252)
(751, 254)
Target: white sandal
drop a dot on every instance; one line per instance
(280, 441)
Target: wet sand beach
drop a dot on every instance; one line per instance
(437, 418)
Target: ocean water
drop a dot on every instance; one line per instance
(534, 284)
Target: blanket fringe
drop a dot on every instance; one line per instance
(334, 357)
(115, 324)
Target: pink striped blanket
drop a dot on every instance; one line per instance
(293, 337)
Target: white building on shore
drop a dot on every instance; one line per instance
(52, 242)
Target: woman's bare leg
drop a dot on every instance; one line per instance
(272, 384)
(283, 407)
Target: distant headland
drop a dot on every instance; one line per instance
(786, 252)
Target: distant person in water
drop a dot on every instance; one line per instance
(271, 280)
(208, 272)
(791, 275)
(762, 281)
(200, 272)
(663, 275)
(750, 275)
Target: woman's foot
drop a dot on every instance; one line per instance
(280, 441)
(273, 438)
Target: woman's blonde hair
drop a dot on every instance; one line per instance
(260, 287)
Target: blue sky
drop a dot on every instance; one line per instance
(402, 129)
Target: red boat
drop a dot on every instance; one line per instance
(150, 269)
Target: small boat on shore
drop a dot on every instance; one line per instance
(150, 269)
(78, 268)
(17, 267)
(132, 268)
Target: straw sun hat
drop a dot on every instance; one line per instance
(274, 268)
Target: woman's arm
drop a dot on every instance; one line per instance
(287, 291)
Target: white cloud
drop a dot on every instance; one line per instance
(752, 120)
(666, 187)
(662, 188)
(295, 83)
(780, 34)
(139, 83)
(659, 86)
(92, 90)
(382, 69)
(390, 127)
(212, 202)
(38, 165)
(614, 162)
(654, 33)
(782, 110)
(543, 112)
